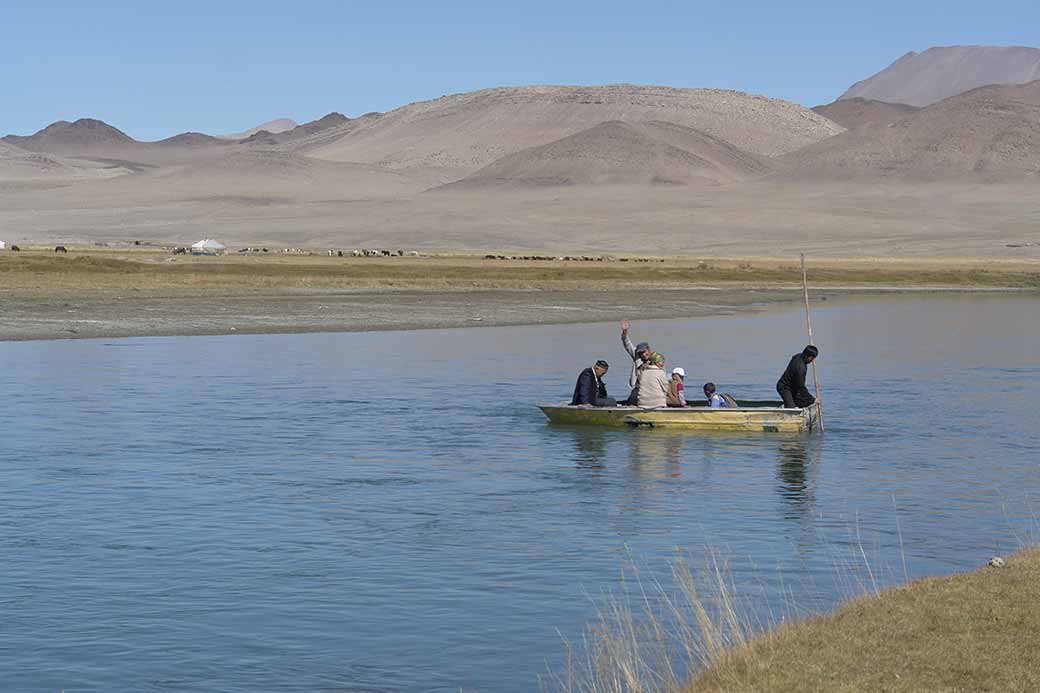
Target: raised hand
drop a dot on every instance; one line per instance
(624, 326)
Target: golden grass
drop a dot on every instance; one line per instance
(99, 273)
(970, 632)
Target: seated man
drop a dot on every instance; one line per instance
(791, 385)
(590, 388)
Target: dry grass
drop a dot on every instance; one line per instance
(970, 632)
(98, 273)
(695, 620)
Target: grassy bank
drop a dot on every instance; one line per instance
(153, 273)
(970, 632)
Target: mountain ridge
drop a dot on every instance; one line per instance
(921, 79)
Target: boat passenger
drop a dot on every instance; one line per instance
(791, 385)
(653, 383)
(715, 400)
(639, 354)
(676, 393)
(590, 388)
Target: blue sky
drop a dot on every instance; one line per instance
(155, 69)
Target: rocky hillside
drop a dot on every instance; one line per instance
(616, 153)
(466, 132)
(853, 113)
(991, 132)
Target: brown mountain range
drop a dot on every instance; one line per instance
(462, 133)
(992, 132)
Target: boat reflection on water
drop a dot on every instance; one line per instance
(590, 447)
(798, 461)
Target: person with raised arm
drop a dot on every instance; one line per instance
(640, 355)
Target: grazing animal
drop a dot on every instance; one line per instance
(179, 250)
(15, 248)
(60, 249)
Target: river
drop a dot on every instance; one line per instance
(389, 511)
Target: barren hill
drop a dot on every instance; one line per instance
(299, 132)
(192, 139)
(855, 112)
(464, 132)
(273, 126)
(83, 136)
(920, 79)
(623, 153)
(992, 132)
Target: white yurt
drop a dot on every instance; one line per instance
(208, 246)
(3, 246)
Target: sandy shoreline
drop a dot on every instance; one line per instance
(363, 311)
(91, 294)
(84, 318)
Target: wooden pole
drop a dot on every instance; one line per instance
(808, 323)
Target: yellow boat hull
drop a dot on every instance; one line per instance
(750, 417)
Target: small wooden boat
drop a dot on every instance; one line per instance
(751, 416)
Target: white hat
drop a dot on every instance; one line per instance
(681, 372)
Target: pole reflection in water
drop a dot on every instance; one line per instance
(797, 463)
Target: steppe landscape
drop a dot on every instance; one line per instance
(935, 159)
(912, 162)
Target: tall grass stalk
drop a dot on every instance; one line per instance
(653, 636)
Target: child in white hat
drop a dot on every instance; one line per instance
(676, 394)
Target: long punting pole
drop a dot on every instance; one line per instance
(808, 323)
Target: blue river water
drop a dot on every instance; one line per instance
(389, 511)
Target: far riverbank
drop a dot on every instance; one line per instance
(95, 293)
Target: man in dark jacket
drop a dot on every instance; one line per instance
(791, 385)
(590, 388)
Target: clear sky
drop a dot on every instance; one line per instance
(154, 69)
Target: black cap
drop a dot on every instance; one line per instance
(602, 364)
(810, 351)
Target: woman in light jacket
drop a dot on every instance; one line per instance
(653, 383)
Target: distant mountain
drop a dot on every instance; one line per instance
(273, 126)
(465, 132)
(991, 132)
(616, 152)
(192, 139)
(853, 113)
(299, 132)
(920, 79)
(82, 135)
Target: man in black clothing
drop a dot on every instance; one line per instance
(791, 385)
(590, 388)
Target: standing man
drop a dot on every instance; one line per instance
(590, 388)
(640, 355)
(791, 385)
